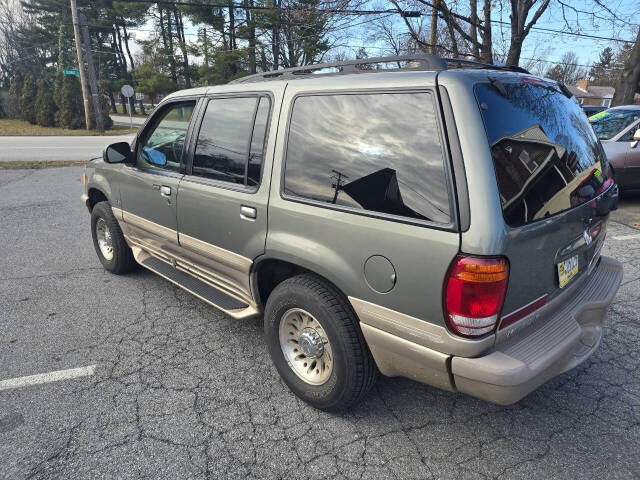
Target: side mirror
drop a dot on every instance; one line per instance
(636, 139)
(117, 153)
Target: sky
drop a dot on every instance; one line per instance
(545, 46)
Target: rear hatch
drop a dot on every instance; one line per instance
(554, 187)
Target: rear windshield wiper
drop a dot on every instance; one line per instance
(498, 85)
(565, 91)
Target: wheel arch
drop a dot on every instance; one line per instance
(96, 195)
(98, 189)
(268, 272)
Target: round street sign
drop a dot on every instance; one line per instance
(127, 91)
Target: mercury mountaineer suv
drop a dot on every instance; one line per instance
(422, 217)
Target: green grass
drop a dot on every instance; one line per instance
(15, 164)
(18, 127)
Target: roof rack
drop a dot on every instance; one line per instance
(461, 62)
(416, 62)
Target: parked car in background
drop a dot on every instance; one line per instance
(592, 109)
(616, 128)
(442, 221)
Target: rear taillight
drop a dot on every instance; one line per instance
(473, 294)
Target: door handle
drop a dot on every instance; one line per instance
(248, 213)
(165, 191)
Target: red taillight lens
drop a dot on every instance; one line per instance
(474, 291)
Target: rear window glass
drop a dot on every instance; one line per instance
(546, 156)
(610, 123)
(374, 152)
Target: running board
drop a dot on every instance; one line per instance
(204, 291)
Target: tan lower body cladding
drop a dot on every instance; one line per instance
(224, 270)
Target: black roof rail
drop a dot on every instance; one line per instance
(416, 62)
(473, 64)
(422, 61)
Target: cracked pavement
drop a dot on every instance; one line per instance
(183, 391)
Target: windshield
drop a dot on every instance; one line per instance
(609, 123)
(546, 157)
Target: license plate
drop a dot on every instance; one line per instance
(567, 270)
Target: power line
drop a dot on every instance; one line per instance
(345, 11)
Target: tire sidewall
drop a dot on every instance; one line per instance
(97, 213)
(330, 393)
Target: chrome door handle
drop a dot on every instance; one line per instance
(248, 213)
(165, 191)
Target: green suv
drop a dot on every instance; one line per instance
(430, 218)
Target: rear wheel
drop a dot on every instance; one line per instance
(316, 344)
(108, 240)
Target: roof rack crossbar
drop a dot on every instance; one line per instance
(423, 61)
(416, 62)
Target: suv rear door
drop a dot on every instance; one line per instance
(363, 192)
(222, 212)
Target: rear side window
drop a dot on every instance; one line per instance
(231, 140)
(374, 152)
(546, 156)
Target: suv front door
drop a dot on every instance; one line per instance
(222, 213)
(149, 186)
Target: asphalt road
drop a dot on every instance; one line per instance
(55, 148)
(183, 391)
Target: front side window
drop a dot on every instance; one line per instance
(231, 140)
(374, 152)
(162, 146)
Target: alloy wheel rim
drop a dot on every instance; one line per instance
(305, 346)
(105, 240)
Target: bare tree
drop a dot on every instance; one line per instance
(520, 28)
(627, 84)
(567, 70)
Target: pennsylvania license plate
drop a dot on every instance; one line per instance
(567, 270)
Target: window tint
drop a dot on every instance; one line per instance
(222, 150)
(628, 137)
(546, 156)
(257, 143)
(163, 145)
(610, 123)
(377, 152)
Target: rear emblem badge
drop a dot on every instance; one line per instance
(587, 237)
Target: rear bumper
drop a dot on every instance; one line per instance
(561, 337)
(548, 342)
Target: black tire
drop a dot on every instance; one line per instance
(122, 260)
(354, 371)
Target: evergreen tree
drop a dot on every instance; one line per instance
(68, 99)
(28, 99)
(602, 72)
(45, 106)
(13, 105)
(104, 101)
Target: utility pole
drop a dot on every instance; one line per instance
(206, 46)
(97, 107)
(276, 34)
(338, 184)
(83, 80)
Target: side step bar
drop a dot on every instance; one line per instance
(204, 291)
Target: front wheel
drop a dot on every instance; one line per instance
(316, 344)
(108, 240)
